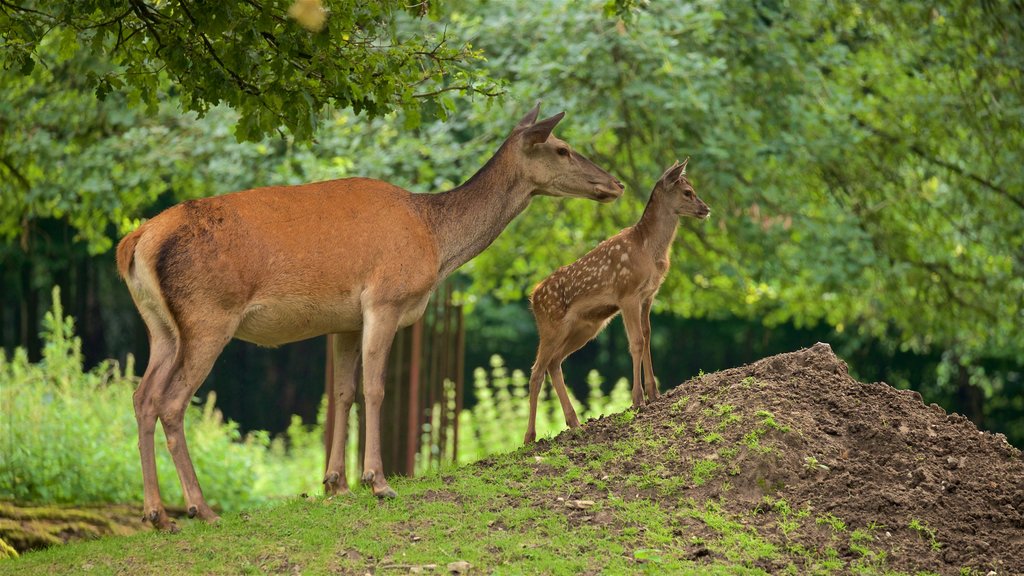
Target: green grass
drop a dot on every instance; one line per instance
(515, 514)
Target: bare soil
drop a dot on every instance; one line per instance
(933, 491)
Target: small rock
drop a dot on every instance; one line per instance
(579, 504)
(460, 567)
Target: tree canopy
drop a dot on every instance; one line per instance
(861, 159)
(249, 55)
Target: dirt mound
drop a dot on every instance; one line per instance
(810, 459)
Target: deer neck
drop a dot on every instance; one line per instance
(657, 226)
(467, 219)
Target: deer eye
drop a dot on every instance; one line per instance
(689, 193)
(563, 151)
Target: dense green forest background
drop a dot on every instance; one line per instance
(862, 160)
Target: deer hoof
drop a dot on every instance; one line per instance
(333, 484)
(160, 521)
(385, 493)
(530, 439)
(192, 511)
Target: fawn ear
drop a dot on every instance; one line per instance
(685, 162)
(540, 131)
(673, 173)
(530, 117)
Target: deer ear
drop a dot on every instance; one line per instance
(685, 162)
(530, 117)
(540, 131)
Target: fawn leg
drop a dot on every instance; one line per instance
(555, 369)
(650, 383)
(634, 332)
(537, 374)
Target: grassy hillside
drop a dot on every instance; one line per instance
(783, 466)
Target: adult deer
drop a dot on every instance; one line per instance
(623, 273)
(356, 257)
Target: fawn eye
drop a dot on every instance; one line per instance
(563, 151)
(689, 193)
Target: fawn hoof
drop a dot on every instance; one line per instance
(192, 511)
(530, 438)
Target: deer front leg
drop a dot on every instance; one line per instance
(650, 384)
(379, 328)
(346, 360)
(634, 332)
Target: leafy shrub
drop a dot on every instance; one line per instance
(67, 435)
(497, 422)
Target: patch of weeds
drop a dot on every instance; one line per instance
(679, 406)
(869, 559)
(832, 521)
(768, 421)
(925, 532)
(738, 543)
(679, 429)
(555, 457)
(626, 416)
(725, 415)
(623, 449)
(703, 470)
(831, 561)
(643, 516)
(811, 463)
(752, 440)
(728, 453)
(673, 485)
(747, 382)
(712, 438)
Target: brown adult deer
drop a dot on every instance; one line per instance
(356, 257)
(623, 273)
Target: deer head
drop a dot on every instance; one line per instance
(553, 167)
(676, 189)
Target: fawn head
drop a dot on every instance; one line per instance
(553, 167)
(679, 192)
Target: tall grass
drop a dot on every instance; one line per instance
(68, 435)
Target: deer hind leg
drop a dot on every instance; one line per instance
(634, 332)
(379, 327)
(346, 362)
(196, 359)
(159, 371)
(650, 384)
